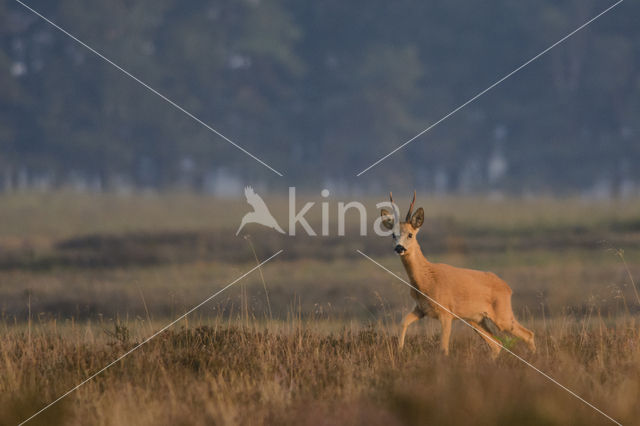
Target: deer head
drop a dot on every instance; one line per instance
(404, 233)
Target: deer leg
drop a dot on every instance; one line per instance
(510, 325)
(506, 321)
(409, 319)
(524, 334)
(494, 344)
(445, 322)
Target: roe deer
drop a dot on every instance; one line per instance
(480, 298)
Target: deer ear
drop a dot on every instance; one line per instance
(418, 218)
(387, 219)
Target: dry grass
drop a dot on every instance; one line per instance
(85, 277)
(350, 288)
(317, 373)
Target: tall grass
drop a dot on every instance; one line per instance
(316, 372)
(312, 338)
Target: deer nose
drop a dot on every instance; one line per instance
(400, 249)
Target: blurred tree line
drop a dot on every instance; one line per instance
(320, 90)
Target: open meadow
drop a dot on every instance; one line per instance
(312, 336)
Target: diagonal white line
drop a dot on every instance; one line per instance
(149, 338)
(491, 338)
(490, 87)
(151, 89)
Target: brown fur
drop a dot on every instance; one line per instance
(471, 295)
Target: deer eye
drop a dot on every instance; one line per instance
(410, 235)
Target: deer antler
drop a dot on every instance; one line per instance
(394, 209)
(411, 207)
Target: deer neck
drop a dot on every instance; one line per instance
(415, 264)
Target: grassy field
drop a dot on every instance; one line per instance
(312, 339)
(316, 372)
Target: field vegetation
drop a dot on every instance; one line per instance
(312, 339)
